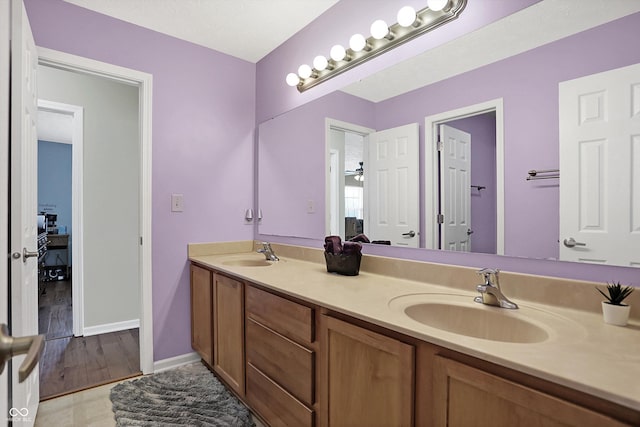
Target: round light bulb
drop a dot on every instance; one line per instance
(357, 42)
(338, 53)
(379, 29)
(304, 71)
(406, 16)
(320, 63)
(437, 5)
(293, 79)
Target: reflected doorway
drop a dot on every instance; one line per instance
(487, 223)
(346, 202)
(372, 183)
(467, 185)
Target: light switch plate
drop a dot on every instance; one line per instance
(177, 203)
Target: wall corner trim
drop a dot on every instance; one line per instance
(174, 362)
(111, 327)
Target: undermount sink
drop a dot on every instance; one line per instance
(248, 263)
(459, 314)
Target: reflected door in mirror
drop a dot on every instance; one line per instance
(600, 168)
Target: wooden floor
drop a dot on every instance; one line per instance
(55, 318)
(70, 363)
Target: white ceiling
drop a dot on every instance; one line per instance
(264, 24)
(54, 126)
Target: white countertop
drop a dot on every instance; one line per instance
(582, 352)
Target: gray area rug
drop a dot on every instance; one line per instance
(189, 395)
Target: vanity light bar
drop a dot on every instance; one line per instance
(425, 20)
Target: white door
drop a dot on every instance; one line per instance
(600, 168)
(391, 182)
(23, 224)
(5, 37)
(455, 189)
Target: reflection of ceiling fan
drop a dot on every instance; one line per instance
(358, 174)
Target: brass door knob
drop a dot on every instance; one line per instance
(10, 346)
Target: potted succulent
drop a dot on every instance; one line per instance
(615, 312)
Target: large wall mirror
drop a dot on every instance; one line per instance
(492, 98)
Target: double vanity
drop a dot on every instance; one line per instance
(404, 343)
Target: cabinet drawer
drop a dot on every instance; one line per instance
(287, 363)
(275, 405)
(286, 317)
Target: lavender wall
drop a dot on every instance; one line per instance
(528, 83)
(203, 125)
(483, 172)
(291, 148)
(337, 25)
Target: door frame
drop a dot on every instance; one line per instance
(77, 274)
(431, 125)
(144, 82)
(333, 205)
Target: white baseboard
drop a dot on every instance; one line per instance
(174, 362)
(111, 327)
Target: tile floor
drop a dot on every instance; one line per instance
(88, 408)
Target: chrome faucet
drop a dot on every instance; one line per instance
(490, 292)
(268, 252)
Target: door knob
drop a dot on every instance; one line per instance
(469, 232)
(410, 234)
(25, 254)
(10, 346)
(571, 242)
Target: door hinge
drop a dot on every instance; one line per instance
(140, 240)
(439, 144)
(440, 218)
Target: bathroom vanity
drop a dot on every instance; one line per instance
(302, 347)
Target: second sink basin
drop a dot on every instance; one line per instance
(459, 314)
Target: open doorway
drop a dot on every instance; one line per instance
(445, 197)
(55, 314)
(60, 136)
(372, 183)
(468, 188)
(346, 151)
(92, 206)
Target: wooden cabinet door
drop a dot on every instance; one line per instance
(228, 331)
(465, 396)
(369, 377)
(201, 305)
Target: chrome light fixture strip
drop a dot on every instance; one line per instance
(426, 21)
